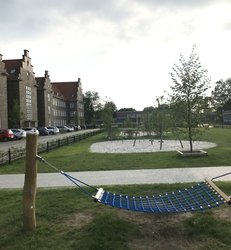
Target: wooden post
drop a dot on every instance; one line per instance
(30, 183)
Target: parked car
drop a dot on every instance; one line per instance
(19, 133)
(76, 127)
(69, 128)
(31, 130)
(6, 134)
(43, 131)
(53, 130)
(64, 129)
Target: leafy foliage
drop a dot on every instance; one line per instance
(188, 92)
(108, 115)
(15, 115)
(221, 96)
(92, 107)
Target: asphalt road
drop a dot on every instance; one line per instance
(4, 146)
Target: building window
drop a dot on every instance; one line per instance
(28, 103)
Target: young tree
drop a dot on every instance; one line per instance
(188, 92)
(108, 115)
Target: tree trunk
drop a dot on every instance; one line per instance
(189, 118)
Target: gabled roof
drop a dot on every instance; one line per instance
(67, 89)
(13, 67)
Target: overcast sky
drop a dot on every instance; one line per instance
(122, 49)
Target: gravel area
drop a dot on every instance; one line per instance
(139, 146)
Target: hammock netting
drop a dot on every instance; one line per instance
(199, 197)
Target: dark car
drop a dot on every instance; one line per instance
(43, 131)
(6, 134)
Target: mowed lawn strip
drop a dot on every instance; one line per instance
(77, 157)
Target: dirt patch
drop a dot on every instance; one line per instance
(79, 220)
(142, 218)
(159, 231)
(162, 244)
(223, 213)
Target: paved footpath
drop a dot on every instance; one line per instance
(120, 177)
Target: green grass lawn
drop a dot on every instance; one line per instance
(76, 157)
(67, 219)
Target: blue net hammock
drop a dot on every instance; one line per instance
(199, 197)
(202, 196)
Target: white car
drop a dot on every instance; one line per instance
(53, 130)
(19, 133)
(69, 128)
(31, 130)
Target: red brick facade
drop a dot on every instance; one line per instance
(3, 95)
(38, 101)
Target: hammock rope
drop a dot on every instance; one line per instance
(76, 181)
(199, 197)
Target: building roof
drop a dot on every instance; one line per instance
(67, 89)
(13, 67)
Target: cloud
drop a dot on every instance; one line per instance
(117, 44)
(227, 26)
(122, 19)
(178, 3)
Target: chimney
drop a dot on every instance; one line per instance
(0, 57)
(46, 73)
(26, 52)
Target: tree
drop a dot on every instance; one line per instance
(15, 115)
(108, 115)
(111, 105)
(221, 96)
(127, 109)
(92, 107)
(188, 92)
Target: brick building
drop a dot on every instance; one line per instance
(21, 92)
(69, 95)
(29, 101)
(3, 95)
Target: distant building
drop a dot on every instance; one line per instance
(3, 95)
(135, 117)
(21, 91)
(227, 117)
(68, 102)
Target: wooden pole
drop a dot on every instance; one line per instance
(30, 183)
